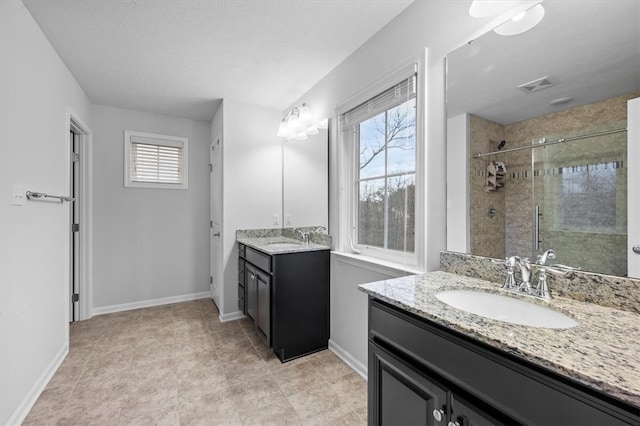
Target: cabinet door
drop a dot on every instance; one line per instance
(465, 413)
(400, 394)
(252, 292)
(264, 304)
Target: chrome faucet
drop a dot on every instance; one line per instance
(303, 234)
(525, 272)
(510, 281)
(319, 230)
(542, 259)
(542, 289)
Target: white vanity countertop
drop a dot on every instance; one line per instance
(602, 352)
(280, 245)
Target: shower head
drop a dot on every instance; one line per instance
(502, 144)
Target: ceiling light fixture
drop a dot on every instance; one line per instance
(522, 22)
(299, 123)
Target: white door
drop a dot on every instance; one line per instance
(215, 216)
(633, 187)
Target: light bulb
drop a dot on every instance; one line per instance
(304, 114)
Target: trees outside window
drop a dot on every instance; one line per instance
(386, 144)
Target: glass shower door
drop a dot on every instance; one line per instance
(580, 201)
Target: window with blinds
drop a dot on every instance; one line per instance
(155, 161)
(379, 136)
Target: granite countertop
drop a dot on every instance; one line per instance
(602, 352)
(280, 245)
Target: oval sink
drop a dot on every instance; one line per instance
(507, 309)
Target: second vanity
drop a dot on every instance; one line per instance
(283, 287)
(431, 363)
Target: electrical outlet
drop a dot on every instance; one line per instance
(18, 195)
(287, 220)
(276, 219)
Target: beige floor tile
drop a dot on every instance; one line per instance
(202, 412)
(278, 412)
(353, 390)
(256, 393)
(52, 400)
(161, 417)
(179, 365)
(329, 365)
(246, 368)
(189, 360)
(318, 405)
(298, 377)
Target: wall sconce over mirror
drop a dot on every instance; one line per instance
(299, 123)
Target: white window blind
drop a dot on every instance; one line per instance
(155, 161)
(395, 95)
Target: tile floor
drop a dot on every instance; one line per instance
(179, 365)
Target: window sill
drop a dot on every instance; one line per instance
(383, 266)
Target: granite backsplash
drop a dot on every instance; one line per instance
(319, 237)
(605, 290)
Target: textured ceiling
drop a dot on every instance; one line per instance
(180, 57)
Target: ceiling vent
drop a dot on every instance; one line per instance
(536, 85)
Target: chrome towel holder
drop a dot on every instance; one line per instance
(32, 195)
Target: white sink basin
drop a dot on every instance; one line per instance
(507, 309)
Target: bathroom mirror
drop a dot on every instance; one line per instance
(306, 181)
(568, 78)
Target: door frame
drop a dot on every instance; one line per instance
(75, 123)
(633, 186)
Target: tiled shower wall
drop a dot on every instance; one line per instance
(513, 222)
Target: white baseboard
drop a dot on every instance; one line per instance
(345, 356)
(149, 303)
(231, 316)
(32, 396)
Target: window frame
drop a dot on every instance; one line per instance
(348, 176)
(158, 140)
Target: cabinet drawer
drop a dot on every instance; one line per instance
(498, 380)
(261, 260)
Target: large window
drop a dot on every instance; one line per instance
(155, 161)
(382, 134)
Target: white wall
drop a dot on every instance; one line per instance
(458, 236)
(306, 181)
(252, 157)
(349, 307)
(440, 26)
(217, 207)
(36, 89)
(149, 244)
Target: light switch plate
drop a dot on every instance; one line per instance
(18, 195)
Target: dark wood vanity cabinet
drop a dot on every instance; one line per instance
(423, 373)
(287, 298)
